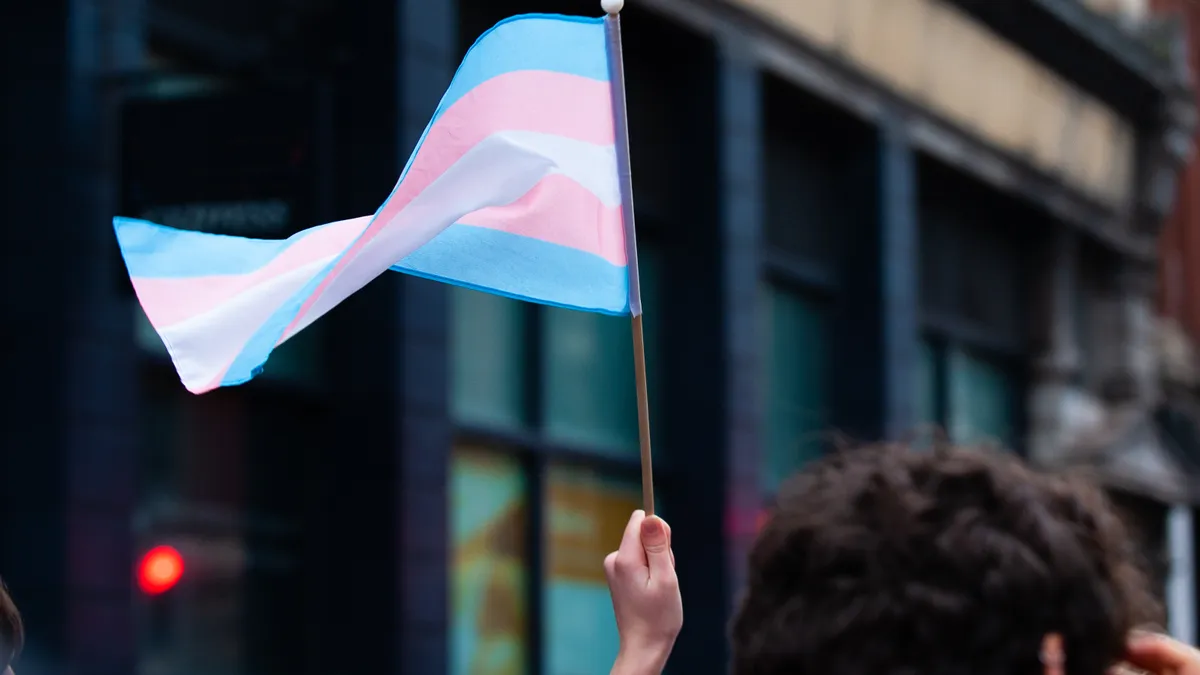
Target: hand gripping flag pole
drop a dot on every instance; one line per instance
(616, 74)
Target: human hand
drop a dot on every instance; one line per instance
(645, 595)
(1161, 655)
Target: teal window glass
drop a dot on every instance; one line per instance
(981, 400)
(795, 360)
(487, 362)
(588, 387)
(588, 391)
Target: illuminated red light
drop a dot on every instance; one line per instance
(160, 569)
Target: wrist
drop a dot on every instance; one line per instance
(641, 659)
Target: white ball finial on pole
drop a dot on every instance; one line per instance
(612, 6)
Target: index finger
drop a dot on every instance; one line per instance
(631, 541)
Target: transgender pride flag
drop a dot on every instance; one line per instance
(513, 189)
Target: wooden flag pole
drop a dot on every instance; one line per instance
(643, 405)
(616, 71)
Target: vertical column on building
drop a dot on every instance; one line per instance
(385, 496)
(428, 54)
(741, 141)
(355, 571)
(67, 431)
(1058, 364)
(1181, 583)
(878, 315)
(1138, 283)
(1125, 360)
(900, 268)
(709, 417)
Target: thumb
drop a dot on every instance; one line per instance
(657, 546)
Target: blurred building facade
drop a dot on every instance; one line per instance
(868, 216)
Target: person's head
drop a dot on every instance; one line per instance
(12, 632)
(888, 560)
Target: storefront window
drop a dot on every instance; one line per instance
(585, 517)
(795, 375)
(489, 588)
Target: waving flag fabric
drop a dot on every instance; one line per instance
(513, 189)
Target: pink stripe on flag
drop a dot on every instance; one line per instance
(560, 211)
(541, 101)
(171, 300)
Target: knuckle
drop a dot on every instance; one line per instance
(624, 565)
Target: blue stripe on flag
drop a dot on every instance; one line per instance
(523, 268)
(155, 251)
(574, 45)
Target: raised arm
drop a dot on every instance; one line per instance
(645, 594)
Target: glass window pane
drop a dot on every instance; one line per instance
(586, 514)
(795, 362)
(981, 401)
(588, 388)
(490, 585)
(487, 359)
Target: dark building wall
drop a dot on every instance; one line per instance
(67, 467)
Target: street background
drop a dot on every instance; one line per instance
(857, 219)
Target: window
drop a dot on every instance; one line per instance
(980, 404)
(795, 364)
(587, 394)
(491, 566)
(547, 413)
(972, 397)
(488, 365)
(974, 256)
(585, 515)
(588, 382)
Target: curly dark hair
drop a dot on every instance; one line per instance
(12, 631)
(885, 560)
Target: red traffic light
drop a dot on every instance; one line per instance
(160, 569)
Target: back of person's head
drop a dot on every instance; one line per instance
(890, 561)
(12, 632)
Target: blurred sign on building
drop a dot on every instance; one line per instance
(235, 163)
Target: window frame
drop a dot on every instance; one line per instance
(947, 229)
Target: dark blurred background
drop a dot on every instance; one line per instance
(865, 218)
